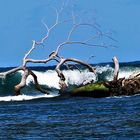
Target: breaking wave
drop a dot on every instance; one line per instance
(73, 77)
(50, 81)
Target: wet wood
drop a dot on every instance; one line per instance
(22, 84)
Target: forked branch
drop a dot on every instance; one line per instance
(55, 54)
(62, 62)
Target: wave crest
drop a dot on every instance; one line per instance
(73, 77)
(49, 79)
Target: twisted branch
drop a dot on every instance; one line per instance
(61, 75)
(22, 82)
(37, 86)
(55, 56)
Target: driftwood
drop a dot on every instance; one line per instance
(116, 87)
(22, 83)
(60, 61)
(54, 56)
(123, 86)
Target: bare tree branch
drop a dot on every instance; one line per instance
(134, 75)
(61, 75)
(82, 43)
(37, 86)
(55, 56)
(81, 24)
(116, 70)
(65, 3)
(4, 74)
(49, 29)
(28, 53)
(91, 69)
(22, 83)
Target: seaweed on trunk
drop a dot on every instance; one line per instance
(116, 87)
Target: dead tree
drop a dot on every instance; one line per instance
(54, 56)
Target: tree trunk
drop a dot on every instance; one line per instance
(22, 83)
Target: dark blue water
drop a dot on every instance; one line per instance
(71, 118)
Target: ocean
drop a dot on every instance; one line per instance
(33, 115)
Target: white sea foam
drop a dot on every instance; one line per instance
(48, 78)
(73, 77)
(105, 69)
(126, 72)
(101, 69)
(26, 97)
